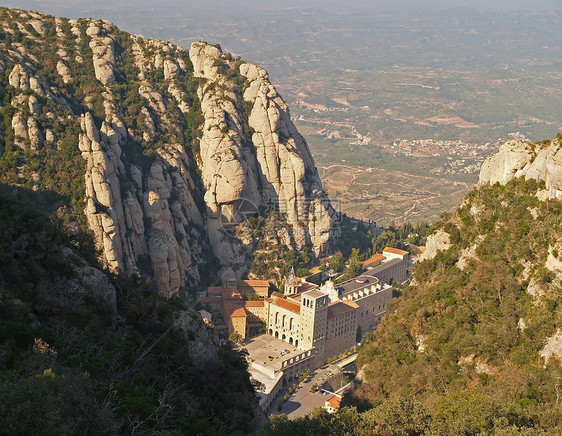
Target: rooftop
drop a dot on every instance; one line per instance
(334, 402)
(303, 287)
(266, 350)
(360, 282)
(239, 313)
(215, 290)
(231, 294)
(251, 303)
(267, 381)
(376, 258)
(286, 304)
(315, 294)
(383, 266)
(395, 251)
(259, 283)
(340, 307)
(230, 307)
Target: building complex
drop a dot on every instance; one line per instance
(308, 323)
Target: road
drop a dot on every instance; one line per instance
(303, 401)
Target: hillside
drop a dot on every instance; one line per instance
(473, 345)
(84, 353)
(157, 151)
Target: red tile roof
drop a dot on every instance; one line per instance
(306, 287)
(250, 303)
(231, 294)
(259, 283)
(230, 307)
(395, 251)
(289, 305)
(219, 290)
(376, 258)
(215, 290)
(335, 402)
(239, 313)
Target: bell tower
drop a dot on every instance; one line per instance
(291, 283)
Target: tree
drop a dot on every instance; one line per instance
(336, 263)
(235, 337)
(354, 264)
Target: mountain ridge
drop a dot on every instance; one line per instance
(171, 156)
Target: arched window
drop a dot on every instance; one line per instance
(291, 324)
(284, 320)
(276, 317)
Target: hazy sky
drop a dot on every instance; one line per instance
(75, 8)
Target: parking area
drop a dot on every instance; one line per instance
(303, 401)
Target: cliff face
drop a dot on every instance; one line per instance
(542, 162)
(176, 147)
(252, 156)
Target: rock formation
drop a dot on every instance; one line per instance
(438, 241)
(159, 195)
(515, 158)
(266, 164)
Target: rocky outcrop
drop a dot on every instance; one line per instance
(156, 200)
(264, 164)
(438, 241)
(201, 339)
(103, 51)
(542, 162)
(552, 347)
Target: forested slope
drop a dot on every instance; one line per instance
(84, 352)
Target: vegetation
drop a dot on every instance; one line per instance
(273, 259)
(53, 165)
(78, 365)
(459, 351)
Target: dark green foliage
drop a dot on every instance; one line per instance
(75, 366)
(273, 259)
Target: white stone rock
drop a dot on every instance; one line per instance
(438, 241)
(64, 72)
(34, 105)
(19, 125)
(34, 134)
(19, 78)
(553, 347)
(171, 69)
(517, 158)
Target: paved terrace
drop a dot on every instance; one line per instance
(266, 350)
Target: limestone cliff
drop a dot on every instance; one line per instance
(176, 147)
(542, 162)
(255, 159)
